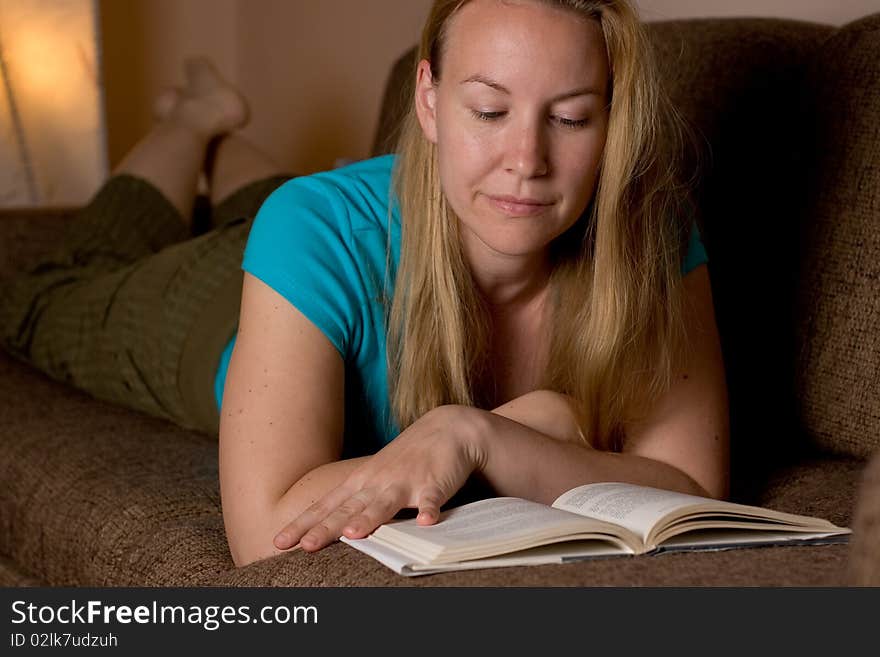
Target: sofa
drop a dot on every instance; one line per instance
(786, 118)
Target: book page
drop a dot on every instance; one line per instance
(725, 539)
(638, 508)
(490, 521)
(544, 554)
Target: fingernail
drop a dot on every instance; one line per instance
(282, 541)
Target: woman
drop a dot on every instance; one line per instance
(540, 275)
(506, 302)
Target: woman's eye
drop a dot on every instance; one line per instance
(570, 123)
(486, 116)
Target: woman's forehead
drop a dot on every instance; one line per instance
(524, 42)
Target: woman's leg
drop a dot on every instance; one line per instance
(119, 307)
(235, 164)
(172, 156)
(147, 335)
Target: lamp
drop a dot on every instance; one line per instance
(52, 142)
(14, 121)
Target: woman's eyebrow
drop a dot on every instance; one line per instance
(482, 79)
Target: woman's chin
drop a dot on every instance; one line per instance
(511, 245)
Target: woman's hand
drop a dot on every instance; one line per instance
(422, 468)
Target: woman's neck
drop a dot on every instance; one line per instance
(506, 282)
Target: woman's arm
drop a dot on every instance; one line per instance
(551, 413)
(282, 422)
(682, 445)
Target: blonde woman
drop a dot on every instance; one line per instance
(540, 332)
(515, 303)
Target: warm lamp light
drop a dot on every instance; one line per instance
(16, 132)
(51, 117)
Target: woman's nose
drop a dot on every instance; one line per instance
(527, 153)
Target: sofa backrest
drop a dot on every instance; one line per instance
(736, 81)
(744, 85)
(837, 357)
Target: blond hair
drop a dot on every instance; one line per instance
(617, 331)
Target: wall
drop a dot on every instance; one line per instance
(313, 70)
(143, 46)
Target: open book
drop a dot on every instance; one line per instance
(587, 521)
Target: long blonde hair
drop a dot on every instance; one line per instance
(617, 330)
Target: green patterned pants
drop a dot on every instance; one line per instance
(131, 308)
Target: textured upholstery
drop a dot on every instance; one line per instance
(838, 358)
(95, 494)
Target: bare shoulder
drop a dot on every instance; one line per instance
(689, 426)
(285, 376)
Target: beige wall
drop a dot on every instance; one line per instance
(313, 69)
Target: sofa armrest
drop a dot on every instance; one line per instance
(864, 560)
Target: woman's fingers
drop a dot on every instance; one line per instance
(420, 469)
(356, 516)
(383, 509)
(431, 500)
(291, 534)
(330, 528)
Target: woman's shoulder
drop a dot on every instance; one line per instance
(358, 193)
(371, 174)
(372, 168)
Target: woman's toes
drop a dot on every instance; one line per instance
(165, 103)
(202, 76)
(220, 101)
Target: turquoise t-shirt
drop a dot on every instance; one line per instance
(321, 242)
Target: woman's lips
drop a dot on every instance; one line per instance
(518, 207)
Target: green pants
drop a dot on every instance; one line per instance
(132, 308)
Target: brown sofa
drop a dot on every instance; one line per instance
(789, 207)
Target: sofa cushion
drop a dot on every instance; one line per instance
(838, 311)
(98, 495)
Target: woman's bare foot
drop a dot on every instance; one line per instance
(208, 104)
(165, 103)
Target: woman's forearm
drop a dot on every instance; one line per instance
(257, 544)
(532, 447)
(549, 412)
(523, 462)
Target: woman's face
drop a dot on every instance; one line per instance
(519, 118)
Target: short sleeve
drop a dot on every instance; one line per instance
(300, 246)
(696, 252)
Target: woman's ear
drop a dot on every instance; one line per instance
(426, 101)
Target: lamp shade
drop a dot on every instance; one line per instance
(52, 142)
